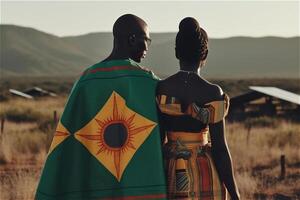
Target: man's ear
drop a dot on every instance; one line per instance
(131, 40)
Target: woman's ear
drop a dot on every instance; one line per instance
(204, 56)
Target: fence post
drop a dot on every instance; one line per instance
(55, 116)
(248, 134)
(2, 125)
(282, 166)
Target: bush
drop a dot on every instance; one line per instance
(47, 125)
(23, 115)
(4, 97)
(261, 122)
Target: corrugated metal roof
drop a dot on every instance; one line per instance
(278, 93)
(37, 91)
(16, 92)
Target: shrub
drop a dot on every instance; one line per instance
(22, 115)
(262, 121)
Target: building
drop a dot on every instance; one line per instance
(20, 94)
(32, 93)
(264, 101)
(39, 92)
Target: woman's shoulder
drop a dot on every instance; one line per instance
(196, 89)
(215, 91)
(168, 84)
(206, 91)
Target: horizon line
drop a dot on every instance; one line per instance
(153, 32)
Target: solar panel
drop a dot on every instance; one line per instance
(278, 93)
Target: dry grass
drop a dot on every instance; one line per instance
(248, 185)
(22, 143)
(264, 144)
(23, 149)
(257, 157)
(19, 184)
(33, 109)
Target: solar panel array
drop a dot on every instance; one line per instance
(278, 93)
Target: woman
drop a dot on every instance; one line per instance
(191, 108)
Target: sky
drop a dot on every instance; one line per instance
(220, 19)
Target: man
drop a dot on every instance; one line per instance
(107, 143)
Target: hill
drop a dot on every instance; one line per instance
(26, 51)
(29, 52)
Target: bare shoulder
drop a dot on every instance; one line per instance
(165, 85)
(217, 90)
(160, 86)
(213, 91)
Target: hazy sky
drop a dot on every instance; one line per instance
(219, 18)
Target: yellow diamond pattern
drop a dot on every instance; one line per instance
(138, 129)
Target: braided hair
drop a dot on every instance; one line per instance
(191, 41)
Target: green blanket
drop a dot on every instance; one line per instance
(107, 143)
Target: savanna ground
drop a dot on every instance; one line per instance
(256, 151)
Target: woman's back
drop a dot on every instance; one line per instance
(191, 108)
(183, 100)
(189, 87)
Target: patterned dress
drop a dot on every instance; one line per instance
(191, 173)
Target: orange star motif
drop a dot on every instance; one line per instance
(60, 135)
(115, 134)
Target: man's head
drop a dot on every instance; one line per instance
(131, 35)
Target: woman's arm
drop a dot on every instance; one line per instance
(222, 158)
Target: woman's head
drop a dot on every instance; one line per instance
(191, 42)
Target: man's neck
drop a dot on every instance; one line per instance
(117, 55)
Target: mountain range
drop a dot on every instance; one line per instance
(30, 52)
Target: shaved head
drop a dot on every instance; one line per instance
(128, 24)
(131, 38)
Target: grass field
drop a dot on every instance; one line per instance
(62, 85)
(256, 152)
